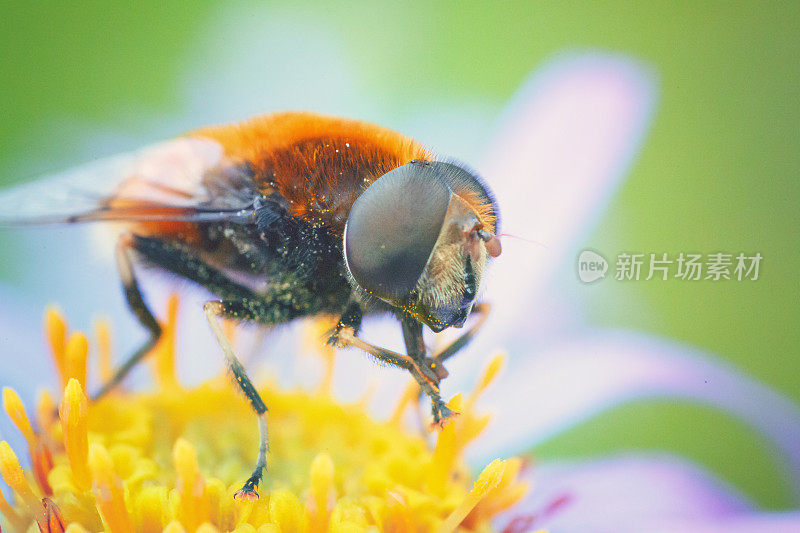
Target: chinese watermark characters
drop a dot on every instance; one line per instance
(717, 266)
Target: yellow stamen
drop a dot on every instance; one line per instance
(286, 511)
(321, 490)
(409, 397)
(348, 516)
(41, 458)
(225, 512)
(174, 527)
(56, 332)
(13, 475)
(73, 414)
(45, 409)
(16, 412)
(316, 341)
(14, 518)
(108, 491)
(385, 477)
(394, 514)
(42, 462)
(489, 374)
(487, 480)
(164, 356)
(507, 492)
(193, 509)
(445, 452)
(470, 425)
(369, 394)
(75, 354)
(103, 333)
(149, 511)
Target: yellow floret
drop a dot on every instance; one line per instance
(171, 460)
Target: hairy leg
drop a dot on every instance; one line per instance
(271, 307)
(139, 308)
(426, 377)
(413, 338)
(214, 311)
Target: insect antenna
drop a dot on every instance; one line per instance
(530, 241)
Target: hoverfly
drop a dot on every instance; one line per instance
(333, 216)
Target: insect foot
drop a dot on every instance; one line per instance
(336, 337)
(248, 492)
(441, 414)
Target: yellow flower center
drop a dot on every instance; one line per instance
(171, 460)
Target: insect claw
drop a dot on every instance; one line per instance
(441, 415)
(248, 492)
(337, 336)
(442, 422)
(333, 338)
(247, 495)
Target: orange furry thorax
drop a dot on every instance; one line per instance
(320, 164)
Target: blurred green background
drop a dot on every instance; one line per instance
(718, 170)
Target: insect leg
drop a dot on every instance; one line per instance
(268, 308)
(351, 318)
(215, 310)
(451, 349)
(277, 305)
(425, 376)
(137, 304)
(415, 346)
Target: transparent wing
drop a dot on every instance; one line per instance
(185, 179)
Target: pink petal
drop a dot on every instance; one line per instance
(571, 381)
(632, 494)
(564, 143)
(752, 523)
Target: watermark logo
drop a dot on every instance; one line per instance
(591, 266)
(632, 266)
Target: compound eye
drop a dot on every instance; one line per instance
(392, 228)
